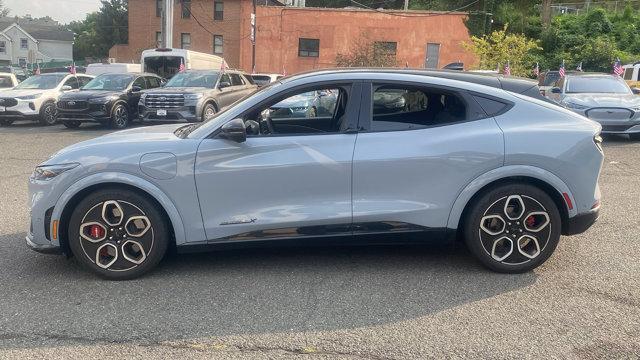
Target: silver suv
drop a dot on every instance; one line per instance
(194, 95)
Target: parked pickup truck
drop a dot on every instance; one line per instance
(194, 95)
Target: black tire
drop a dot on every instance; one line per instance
(154, 241)
(492, 249)
(208, 112)
(6, 122)
(635, 136)
(71, 124)
(48, 114)
(119, 117)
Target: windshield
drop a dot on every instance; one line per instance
(599, 84)
(193, 79)
(109, 82)
(261, 79)
(5, 82)
(549, 78)
(42, 81)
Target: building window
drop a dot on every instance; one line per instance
(386, 47)
(3, 47)
(185, 41)
(186, 9)
(159, 7)
(309, 47)
(158, 38)
(24, 43)
(218, 10)
(217, 44)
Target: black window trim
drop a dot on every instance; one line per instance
(307, 51)
(352, 112)
(366, 108)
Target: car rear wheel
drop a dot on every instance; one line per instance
(6, 122)
(119, 117)
(48, 114)
(72, 124)
(208, 112)
(634, 136)
(118, 234)
(513, 228)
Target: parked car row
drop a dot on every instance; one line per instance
(115, 99)
(604, 98)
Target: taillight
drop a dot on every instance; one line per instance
(597, 139)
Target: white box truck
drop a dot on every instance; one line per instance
(165, 62)
(112, 68)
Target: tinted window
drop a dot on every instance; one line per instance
(84, 80)
(5, 82)
(41, 81)
(404, 108)
(261, 79)
(153, 82)
(309, 47)
(236, 80)
(140, 83)
(597, 84)
(490, 106)
(109, 82)
(193, 79)
(73, 82)
(225, 78)
(628, 73)
(549, 78)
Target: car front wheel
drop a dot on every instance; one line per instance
(208, 112)
(513, 228)
(118, 234)
(48, 114)
(119, 117)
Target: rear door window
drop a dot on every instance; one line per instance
(236, 80)
(140, 83)
(73, 82)
(153, 82)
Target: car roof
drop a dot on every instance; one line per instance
(593, 74)
(131, 73)
(509, 83)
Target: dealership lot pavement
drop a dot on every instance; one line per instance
(325, 303)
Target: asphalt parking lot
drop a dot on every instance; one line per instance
(325, 303)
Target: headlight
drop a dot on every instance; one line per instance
(48, 172)
(29, 97)
(575, 106)
(102, 100)
(192, 96)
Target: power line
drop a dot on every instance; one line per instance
(415, 15)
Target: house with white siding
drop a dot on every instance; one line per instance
(27, 41)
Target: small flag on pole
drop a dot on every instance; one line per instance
(507, 69)
(617, 68)
(536, 70)
(284, 71)
(223, 66)
(37, 72)
(561, 70)
(579, 68)
(72, 69)
(182, 68)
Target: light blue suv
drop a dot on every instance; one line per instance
(459, 154)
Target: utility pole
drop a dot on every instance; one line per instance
(167, 24)
(406, 5)
(253, 38)
(546, 12)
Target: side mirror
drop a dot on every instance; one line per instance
(635, 90)
(555, 90)
(224, 84)
(234, 130)
(136, 88)
(66, 88)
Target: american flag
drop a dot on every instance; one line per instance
(561, 71)
(507, 69)
(536, 70)
(182, 68)
(223, 66)
(617, 68)
(37, 72)
(72, 69)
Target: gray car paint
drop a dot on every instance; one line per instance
(424, 177)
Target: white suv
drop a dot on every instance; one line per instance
(35, 98)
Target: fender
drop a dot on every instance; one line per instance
(501, 173)
(127, 179)
(119, 101)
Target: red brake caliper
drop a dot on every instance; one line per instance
(97, 231)
(530, 221)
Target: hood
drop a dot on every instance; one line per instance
(89, 94)
(130, 142)
(23, 92)
(173, 90)
(604, 100)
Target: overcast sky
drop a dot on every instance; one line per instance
(62, 10)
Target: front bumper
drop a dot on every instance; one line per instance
(43, 248)
(183, 113)
(581, 222)
(25, 109)
(629, 125)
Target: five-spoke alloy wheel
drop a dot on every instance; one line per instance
(513, 228)
(117, 233)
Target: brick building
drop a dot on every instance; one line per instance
(294, 39)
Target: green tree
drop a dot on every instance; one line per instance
(99, 31)
(500, 47)
(366, 53)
